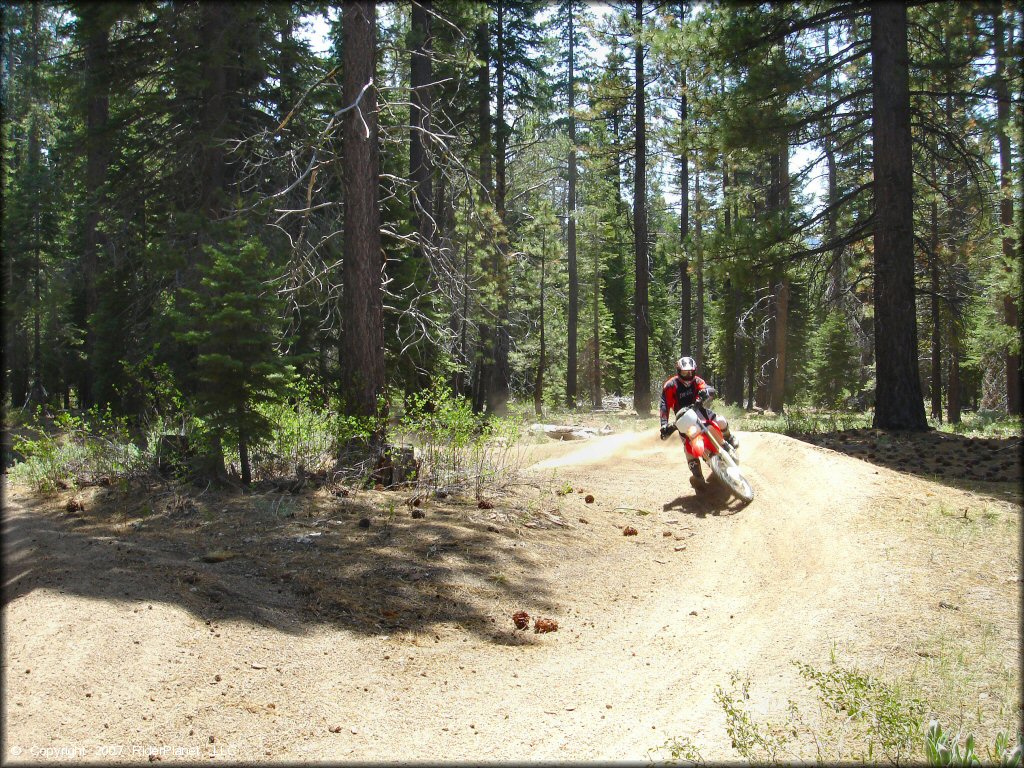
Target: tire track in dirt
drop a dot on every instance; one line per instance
(769, 583)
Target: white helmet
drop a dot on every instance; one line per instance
(686, 368)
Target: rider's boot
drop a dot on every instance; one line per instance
(698, 474)
(730, 438)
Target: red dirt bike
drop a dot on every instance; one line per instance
(704, 440)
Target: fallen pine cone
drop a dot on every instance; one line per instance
(521, 619)
(484, 504)
(74, 505)
(629, 530)
(589, 499)
(545, 625)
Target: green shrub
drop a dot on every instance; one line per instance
(889, 718)
(303, 433)
(77, 450)
(459, 449)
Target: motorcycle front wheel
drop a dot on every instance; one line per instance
(729, 473)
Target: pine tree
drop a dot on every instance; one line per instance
(233, 318)
(836, 361)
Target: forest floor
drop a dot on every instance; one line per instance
(163, 623)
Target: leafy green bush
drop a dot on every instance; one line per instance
(77, 450)
(304, 433)
(457, 448)
(748, 738)
(889, 718)
(679, 751)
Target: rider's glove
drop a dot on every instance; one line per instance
(666, 430)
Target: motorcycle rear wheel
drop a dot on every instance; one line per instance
(729, 473)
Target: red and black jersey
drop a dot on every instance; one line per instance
(678, 394)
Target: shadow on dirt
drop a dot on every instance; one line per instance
(988, 466)
(711, 498)
(338, 562)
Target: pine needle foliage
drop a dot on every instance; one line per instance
(234, 324)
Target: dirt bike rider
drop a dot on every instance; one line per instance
(679, 393)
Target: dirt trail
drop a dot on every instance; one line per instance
(828, 556)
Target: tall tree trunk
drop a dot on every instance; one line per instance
(484, 362)
(778, 391)
(685, 288)
(698, 241)
(732, 342)
(936, 368)
(1010, 315)
(362, 364)
(421, 178)
(574, 290)
(595, 380)
(956, 225)
(459, 384)
(420, 168)
(36, 391)
(641, 316)
(777, 386)
(243, 458)
(953, 402)
(498, 388)
(483, 81)
(751, 365)
(837, 269)
(538, 385)
(96, 22)
(899, 404)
